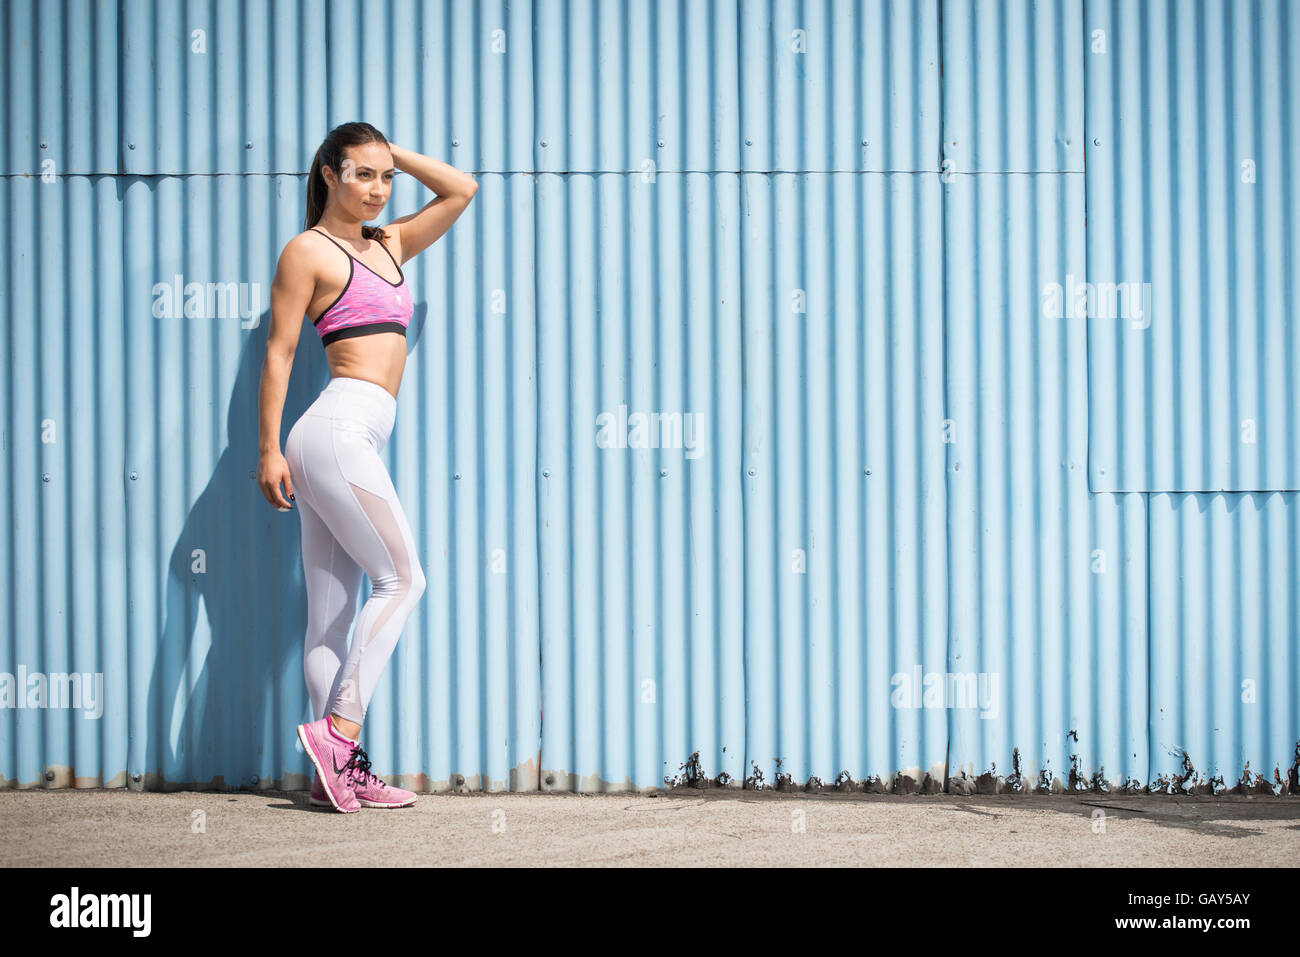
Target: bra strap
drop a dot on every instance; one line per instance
(333, 240)
(400, 275)
(392, 257)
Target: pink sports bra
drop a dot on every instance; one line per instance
(369, 303)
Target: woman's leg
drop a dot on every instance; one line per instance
(333, 587)
(344, 482)
(397, 581)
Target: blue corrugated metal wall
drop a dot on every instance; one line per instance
(765, 417)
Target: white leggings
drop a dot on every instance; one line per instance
(351, 522)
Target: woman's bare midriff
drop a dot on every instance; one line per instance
(379, 357)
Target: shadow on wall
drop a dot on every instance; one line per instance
(227, 687)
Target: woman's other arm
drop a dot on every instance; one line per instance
(418, 231)
(291, 292)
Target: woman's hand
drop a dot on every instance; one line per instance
(272, 469)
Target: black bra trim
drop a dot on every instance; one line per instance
(401, 275)
(364, 329)
(339, 296)
(384, 245)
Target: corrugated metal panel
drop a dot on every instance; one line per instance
(1013, 80)
(249, 87)
(1225, 666)
(658, 87)
(845, 546)
(1190, 113)
(1048, 582)
(838, 85)
(640, 534)
(890, 488)
(707, 87)
(256, 65)
(60, 87)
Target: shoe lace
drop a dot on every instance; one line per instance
(358, 766)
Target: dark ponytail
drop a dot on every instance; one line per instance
(330, 153)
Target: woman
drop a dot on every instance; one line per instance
(348, 276)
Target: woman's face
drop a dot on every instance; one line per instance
(362, 184)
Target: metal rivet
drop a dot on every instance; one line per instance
(749, 142)
(957, 467)
(130, 146)
(663, 472)
(1096, 141)
(248, 145)
(43, 146)
(455, 142)
(543, 144)
(865, 143)
(546, 473)
(49, 775)
(255, 780)
(45, 477)
(136, 777)
(661, 144)
(457, 476)
(751, 471)
(134, 476)
(867, 471)
(550, 779)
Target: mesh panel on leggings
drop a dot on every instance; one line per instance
(382, 518)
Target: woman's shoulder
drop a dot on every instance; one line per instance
(309, 251)
(308, 237)
(310, 245)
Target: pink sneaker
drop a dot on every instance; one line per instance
(335, 760)
(370, 790)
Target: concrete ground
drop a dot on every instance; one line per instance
(88, 828)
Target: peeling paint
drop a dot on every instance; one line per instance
(783, 782)
(1045, 782)
(692, 776)
(1078, 780)
(527, 777)
(1016, 781)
